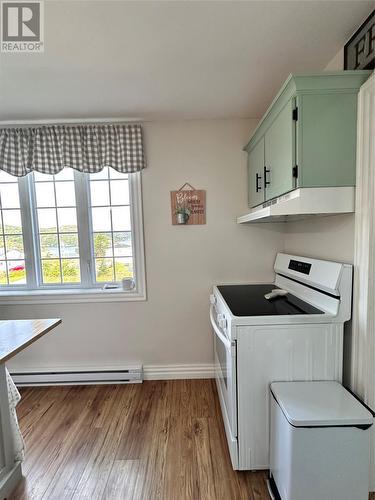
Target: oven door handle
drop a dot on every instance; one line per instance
(221, 336)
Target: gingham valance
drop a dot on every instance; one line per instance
(88, 148)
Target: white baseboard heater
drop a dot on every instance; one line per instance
(129, 375)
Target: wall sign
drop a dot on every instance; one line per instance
(188, 205)
(359, 52)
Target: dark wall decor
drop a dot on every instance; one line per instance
(359, 51)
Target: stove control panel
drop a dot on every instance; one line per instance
(299, 266)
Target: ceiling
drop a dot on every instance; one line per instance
(171, 60)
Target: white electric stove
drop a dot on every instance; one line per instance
(296, 334)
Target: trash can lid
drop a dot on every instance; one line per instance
(314, 404)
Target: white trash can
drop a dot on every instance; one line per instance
(320, 442)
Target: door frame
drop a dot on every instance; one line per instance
(362, 376)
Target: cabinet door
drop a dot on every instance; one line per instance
(280, 153)
(255, 174)
(328, 132)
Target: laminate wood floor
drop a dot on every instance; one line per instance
(157, 440)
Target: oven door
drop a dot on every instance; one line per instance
(225, 374)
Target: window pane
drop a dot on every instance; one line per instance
(12, 264)
(103, 174)
(103, 244)
(101, 219)
(122, 244)
(123, 268)
(4, 177)
(99, 193)
(9, 196)
(111, 225)
(65, 194)
(66, 174)
(59, 248)
(69, 245)
(119, 193)
(49, 246)
(14, 247)
(51, 271)
(17, 272)
(113, 174)
(12, 221)
(67, 220)
(121, 219)
(47, 220)
(38, 177)
(104, 270)
(71, 271)
(45, 194)
(3, 273)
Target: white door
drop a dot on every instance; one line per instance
(225, 371)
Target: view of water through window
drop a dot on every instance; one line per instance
(64, 235)
(12, 255)
(57, 223)
(111, 224)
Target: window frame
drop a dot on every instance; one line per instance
(34, 291)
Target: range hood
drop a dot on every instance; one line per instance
(303, 203)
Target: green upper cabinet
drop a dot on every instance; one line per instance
(279, 153)
(307, 138)
(255, 173)
(327, 128)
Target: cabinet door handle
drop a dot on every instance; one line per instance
(266, 171)
(257, 179)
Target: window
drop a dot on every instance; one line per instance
(111, 226)
(56, 212)
(71, 232)
(12, 255)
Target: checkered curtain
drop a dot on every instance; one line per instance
(88, 148)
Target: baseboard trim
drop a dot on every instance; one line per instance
(171, 372)
(150, 372)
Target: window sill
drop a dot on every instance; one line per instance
(77, 295)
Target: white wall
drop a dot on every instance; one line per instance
(182, 262)
(337, 62)
(329, 238)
